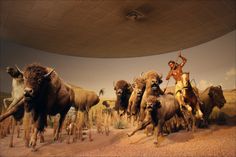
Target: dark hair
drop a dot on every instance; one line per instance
(173, 62)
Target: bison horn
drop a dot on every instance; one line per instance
(160, 76)
(19, 69)
(141, 74)
(220, 86)
(114, 83)
(48, 74)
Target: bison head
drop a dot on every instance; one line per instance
(217, 96)
(152, 103)
(36, 79)
(14, 72)
(153, 80)
(122, 87)
(139, 86)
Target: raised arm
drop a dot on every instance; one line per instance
(184, 60)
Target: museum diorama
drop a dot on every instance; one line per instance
(117, 78)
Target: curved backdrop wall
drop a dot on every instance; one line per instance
(212, 63)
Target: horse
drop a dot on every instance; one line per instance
(191, 98)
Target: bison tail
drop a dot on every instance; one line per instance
(101, 92)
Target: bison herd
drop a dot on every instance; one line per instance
(39, 93)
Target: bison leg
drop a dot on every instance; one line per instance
(8, 114)
(86, 115)
(62, 117)
(7, 100)
(12, 110)
(18, 129)
(182, 115)
(41, 137)
(12, 134)
(140, 127)
(27, 126)
(33, 139)
(158, 130)
(142, 114)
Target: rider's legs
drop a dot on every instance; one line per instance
(179, 96)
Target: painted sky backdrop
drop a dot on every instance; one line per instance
(211, 63)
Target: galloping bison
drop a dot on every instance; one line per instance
(136, 97)
(123, 91)
(45, 94)
(211, 97)
(152, 82)
(83, 100)
(159, 110)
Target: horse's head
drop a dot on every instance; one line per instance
(186, 82)
(185, 79)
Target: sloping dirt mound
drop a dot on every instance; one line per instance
(51, 148)
(214, 141)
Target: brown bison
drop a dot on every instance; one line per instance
(136, 97)
(83, 100)
(159, 110)
(152, 82)
(211, 97)
(123, 91)
(45, 94)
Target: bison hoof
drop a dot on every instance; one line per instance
(33, 149)
(32, 143)
(129, 135)
(55, 138)
(155, 142)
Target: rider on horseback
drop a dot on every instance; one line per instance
(176, 72)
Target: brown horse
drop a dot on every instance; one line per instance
(191, 98)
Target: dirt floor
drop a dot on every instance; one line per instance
(217, 140)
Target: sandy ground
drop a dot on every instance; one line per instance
(217, 140)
